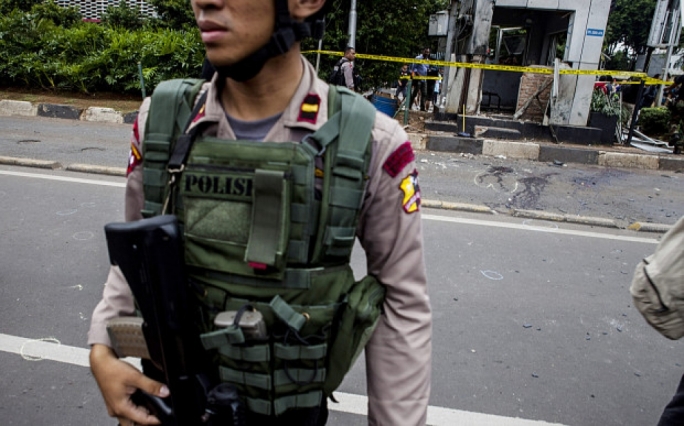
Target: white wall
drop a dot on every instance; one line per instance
(586, 31)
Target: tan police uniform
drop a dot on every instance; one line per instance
(398, 357)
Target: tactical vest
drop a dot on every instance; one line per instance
(259, 242)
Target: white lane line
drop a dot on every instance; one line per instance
(64, 179)
(425, 216)
(32, 349)
(554, 230)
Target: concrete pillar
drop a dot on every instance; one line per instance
(583, 52)
(468, 84)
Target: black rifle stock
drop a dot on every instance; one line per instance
(150, 256)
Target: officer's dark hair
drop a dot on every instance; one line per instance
(348, 49)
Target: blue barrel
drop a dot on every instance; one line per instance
(385, 105)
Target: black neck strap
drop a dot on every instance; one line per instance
(287, 32)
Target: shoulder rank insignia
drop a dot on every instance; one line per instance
(399, 159)
(200, 114)
(409, 186)
(134, 157)
(308, 112)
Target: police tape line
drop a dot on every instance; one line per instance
(497, 67)
(419, 77)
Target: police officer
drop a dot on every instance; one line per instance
(344, 69)
(264, 93)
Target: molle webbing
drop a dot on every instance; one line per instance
(256, 233)
(266, 217)
(346, 167)
(169, 113)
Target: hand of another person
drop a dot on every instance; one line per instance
(118, 380)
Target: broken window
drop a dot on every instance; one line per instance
(507, 45)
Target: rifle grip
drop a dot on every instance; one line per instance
(127, 338)
(155, 405)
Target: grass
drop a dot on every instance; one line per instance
(120, 102)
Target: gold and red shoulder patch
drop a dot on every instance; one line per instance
(308, 112)
(200, 114)
(399, 159)
(411, 190)
(134, 157)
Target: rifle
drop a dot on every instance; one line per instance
(150, 255)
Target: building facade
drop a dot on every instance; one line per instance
(94, 9)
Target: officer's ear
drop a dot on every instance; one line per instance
(302, 9)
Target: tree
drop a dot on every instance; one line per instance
(398, 28)
(629, 23)
(6, 6)
(123, 16)
(173, 14)
(61, 16)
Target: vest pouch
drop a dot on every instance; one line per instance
(288, 369)
(358, 319)
(236, 220)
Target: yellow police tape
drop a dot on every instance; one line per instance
(496, 67)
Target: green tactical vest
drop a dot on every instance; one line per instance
(256, 237)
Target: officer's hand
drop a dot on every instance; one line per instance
(118, 380)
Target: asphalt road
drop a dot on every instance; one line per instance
(533, 322)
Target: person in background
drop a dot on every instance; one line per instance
(420, 70)
(435, 93)
(433, 71)
(343, 73)
(402, 84)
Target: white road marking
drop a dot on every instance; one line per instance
(425, 216)
(553, 230)
(48, 349)
(64, 179)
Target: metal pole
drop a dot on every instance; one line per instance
(142, 80)
(352, 25)
(318, 55)
(640, 93)
(675, 30)
(407, 102)
(451, 31)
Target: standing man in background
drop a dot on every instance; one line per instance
(402, 84)
(343, 73)
(420, 85)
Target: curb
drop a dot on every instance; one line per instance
(649, 227)
(54, 165)
(100, 170)
(445, 205)
(583, 220)
(97, 114)
(28, 162)
(433, 204)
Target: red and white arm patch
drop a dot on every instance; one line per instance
(399, 159)
(135, 156)
(411, 192)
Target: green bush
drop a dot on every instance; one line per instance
(122, 16)
(61, 16)
(7, 6)
(654, 121)
(37, 52)
(602, 103)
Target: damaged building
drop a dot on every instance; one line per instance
(530, 33)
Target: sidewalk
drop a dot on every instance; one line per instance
(619, 156)
(421, 139)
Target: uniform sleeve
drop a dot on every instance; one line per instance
(398, 356)
(348, 75)
(117, 299)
